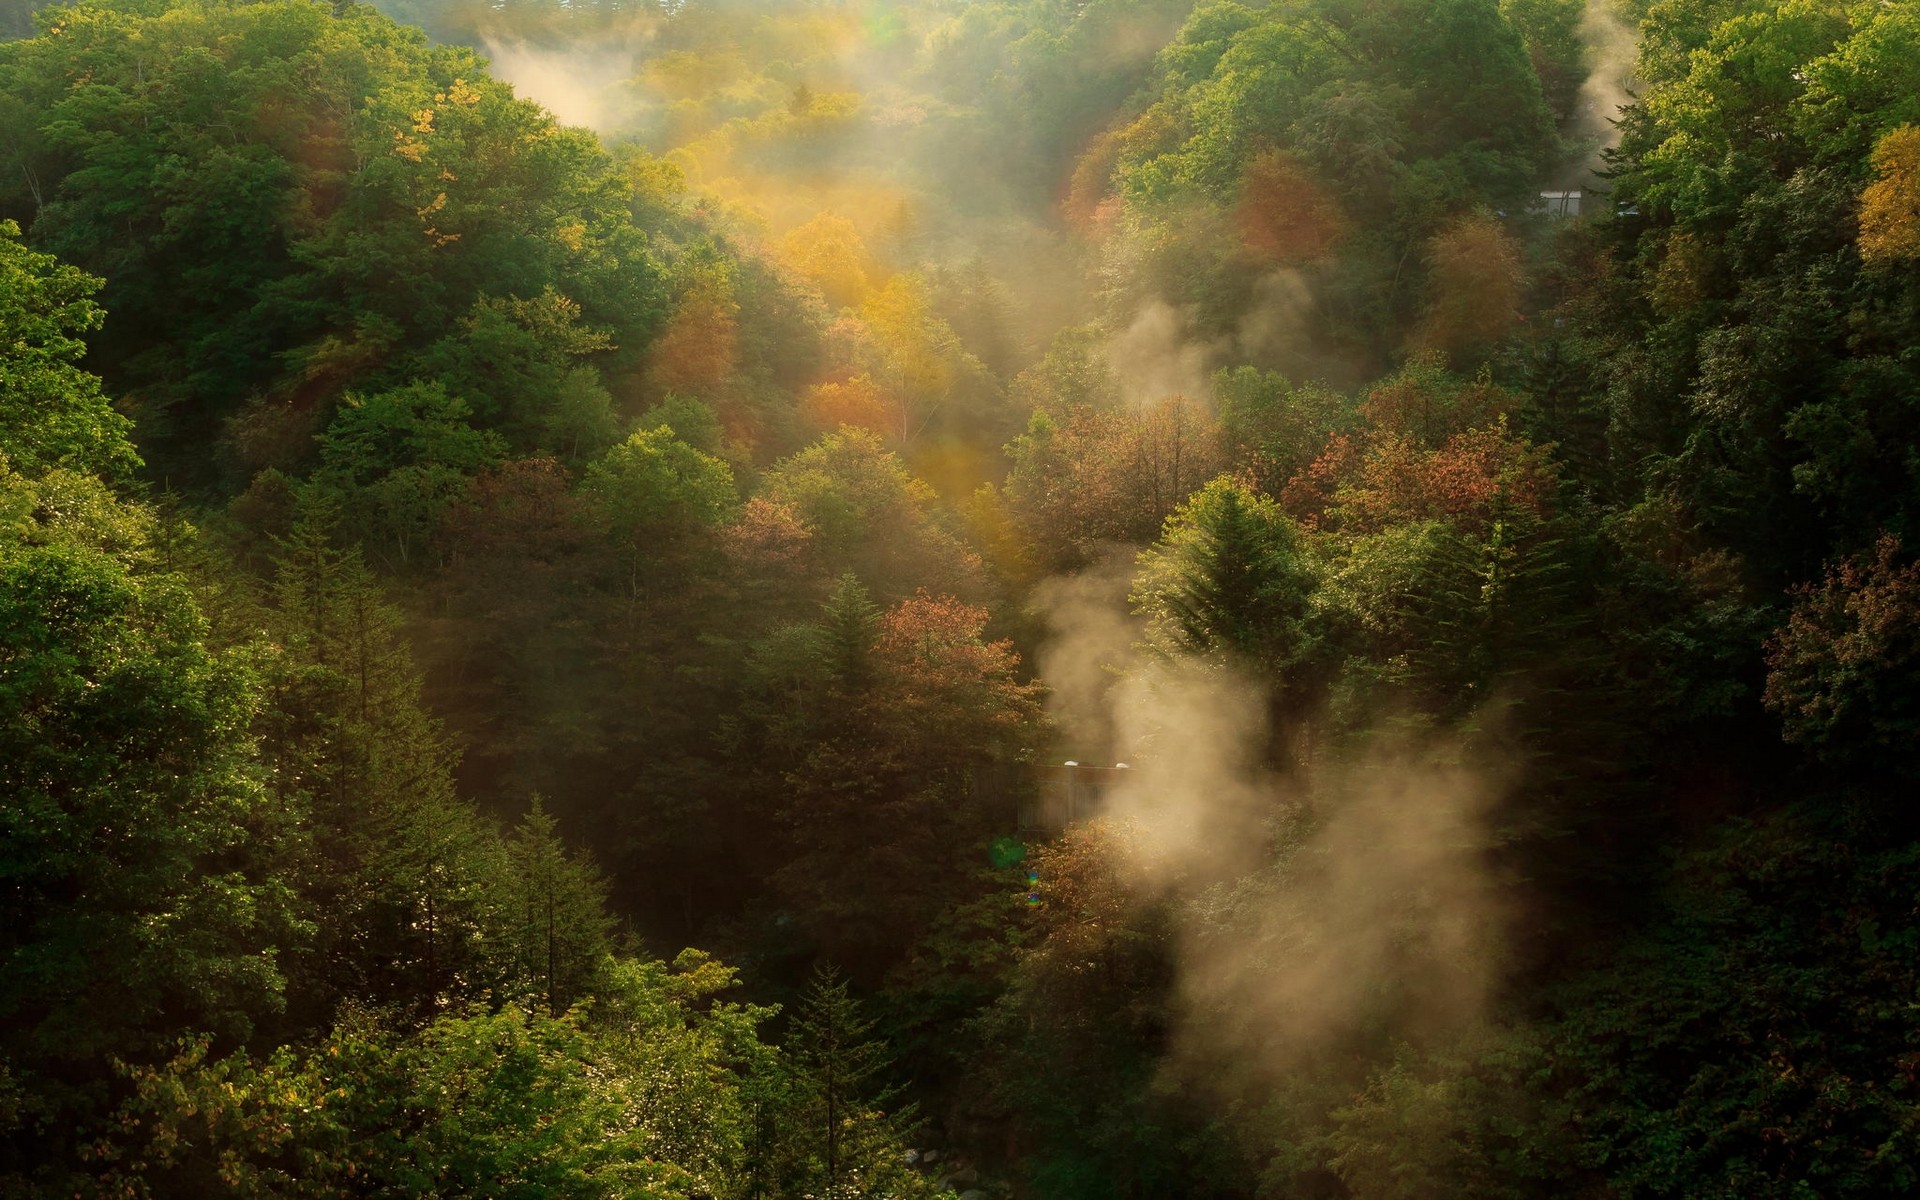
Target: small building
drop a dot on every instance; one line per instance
(1561, 206)
(1065, 794)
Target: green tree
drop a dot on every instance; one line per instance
(525, 366)
(137, 839)
(52, 413)
(398, 461)
(840, 1139)
(559, 913)
(849, 623)
(1231, 579)
(868, 514)
(507, 1103)
(291, 202)
(657, 496)
(410, 885)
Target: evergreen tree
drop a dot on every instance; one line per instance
(411, 882)
(1230, 579)
(559, 911)
(838, 1138)
(849, 622)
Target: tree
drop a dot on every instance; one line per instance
(656, 496)
(1083, 477)
(842, 1139)
(397, 462)
(881, 719)
(828, 252)
(1475, 287)
(1230, 580)
(359, 193)
(1841, 671)
(1273, 428)
(138, 839)
(1890, 206)
(1556, 47)
(411, 882)
(849, 622)
(1395, 479)
(865, 512)
(504, 1103)
(696, 354)
(858, 402)
(1285, 216)
(654, 488)
(934, 382)
(559, 913)
(523, 366)
(52, 413)
(1083, 1019)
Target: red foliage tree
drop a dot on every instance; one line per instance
(1844, 674)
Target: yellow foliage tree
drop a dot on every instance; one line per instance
(828, 253)
(917, 351)
(858, 402)
(1890, 206)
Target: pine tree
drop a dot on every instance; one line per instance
(407, 883)
(849, 622)
(560, 913)
(839, 1139)
(1230, 582)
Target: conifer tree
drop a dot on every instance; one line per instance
(559, 905)
(1230, 582)
(839, 1139)
(408, 881)
(849, 622)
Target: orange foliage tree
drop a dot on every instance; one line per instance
(938, 678)
(858, 402)
(1285, 216)
(897, 711)
(1394, 479)
(1087, 475)
(697, 352)
(1475, 286)
(1842, 674)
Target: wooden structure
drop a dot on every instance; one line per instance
(1064, 794)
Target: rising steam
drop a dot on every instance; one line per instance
(1338, 904)
(1612, 50)
(579, 86)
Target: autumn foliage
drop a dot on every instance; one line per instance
(1285, 216)
(1844, 673)
(1475, 287)
(1890, 205)
(696, 353)
(856, 401)
(936, 669)
(1468, 479)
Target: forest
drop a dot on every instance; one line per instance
(552, 553)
